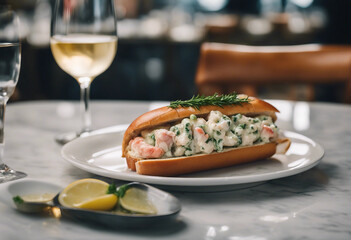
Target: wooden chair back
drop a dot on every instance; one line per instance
(225, 68)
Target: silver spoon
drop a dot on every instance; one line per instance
(167, 208)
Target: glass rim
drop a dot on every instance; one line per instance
(9, 17)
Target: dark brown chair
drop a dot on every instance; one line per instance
(225, 68)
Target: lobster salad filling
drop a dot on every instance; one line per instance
(195, 135)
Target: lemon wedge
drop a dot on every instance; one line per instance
(88, 194)
(136, 200)
(103, 203)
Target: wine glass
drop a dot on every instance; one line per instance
(10, 60)
(84, 44)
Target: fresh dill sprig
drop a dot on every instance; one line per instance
(214, 100)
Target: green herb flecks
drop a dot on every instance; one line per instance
(175, 129)
(240, 140)
(187, 125)
(217, 145)
(153, 137)
(243, 125)
(120, 191)
(215, 100)
(17, 200)
(187, 148)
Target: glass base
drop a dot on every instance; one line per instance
(7, 174)
(70, 136)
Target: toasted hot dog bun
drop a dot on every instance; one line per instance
(198, 162)
(202, 162)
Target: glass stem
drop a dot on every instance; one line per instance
(3, 102)
(84, 103)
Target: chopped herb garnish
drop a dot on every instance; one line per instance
(153, 137)
(218, 147)
(243, 125)
(240, 141)
(111, 189)
(190, 136)
(255, 132)
(175, 130)
(17, 199)
(215, 100)
(120, 191)
(187, 148)
(258, 140)
(256, 120)
(187, 125)
(218, 132)
(215, 144)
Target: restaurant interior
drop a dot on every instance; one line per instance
(159, 44)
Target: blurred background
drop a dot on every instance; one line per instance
(159, 42)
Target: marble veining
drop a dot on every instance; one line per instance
(311, 205)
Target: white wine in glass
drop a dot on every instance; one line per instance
(84, 44)
(82, 55)
(10, 61)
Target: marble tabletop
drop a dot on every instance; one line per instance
(311, 205)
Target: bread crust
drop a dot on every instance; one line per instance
(131, 161)
(166, 115)
(201, 162)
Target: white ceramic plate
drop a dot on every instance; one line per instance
(101, 154)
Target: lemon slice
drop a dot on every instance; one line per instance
(88, 194)
(136, 200)
(42, 197)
